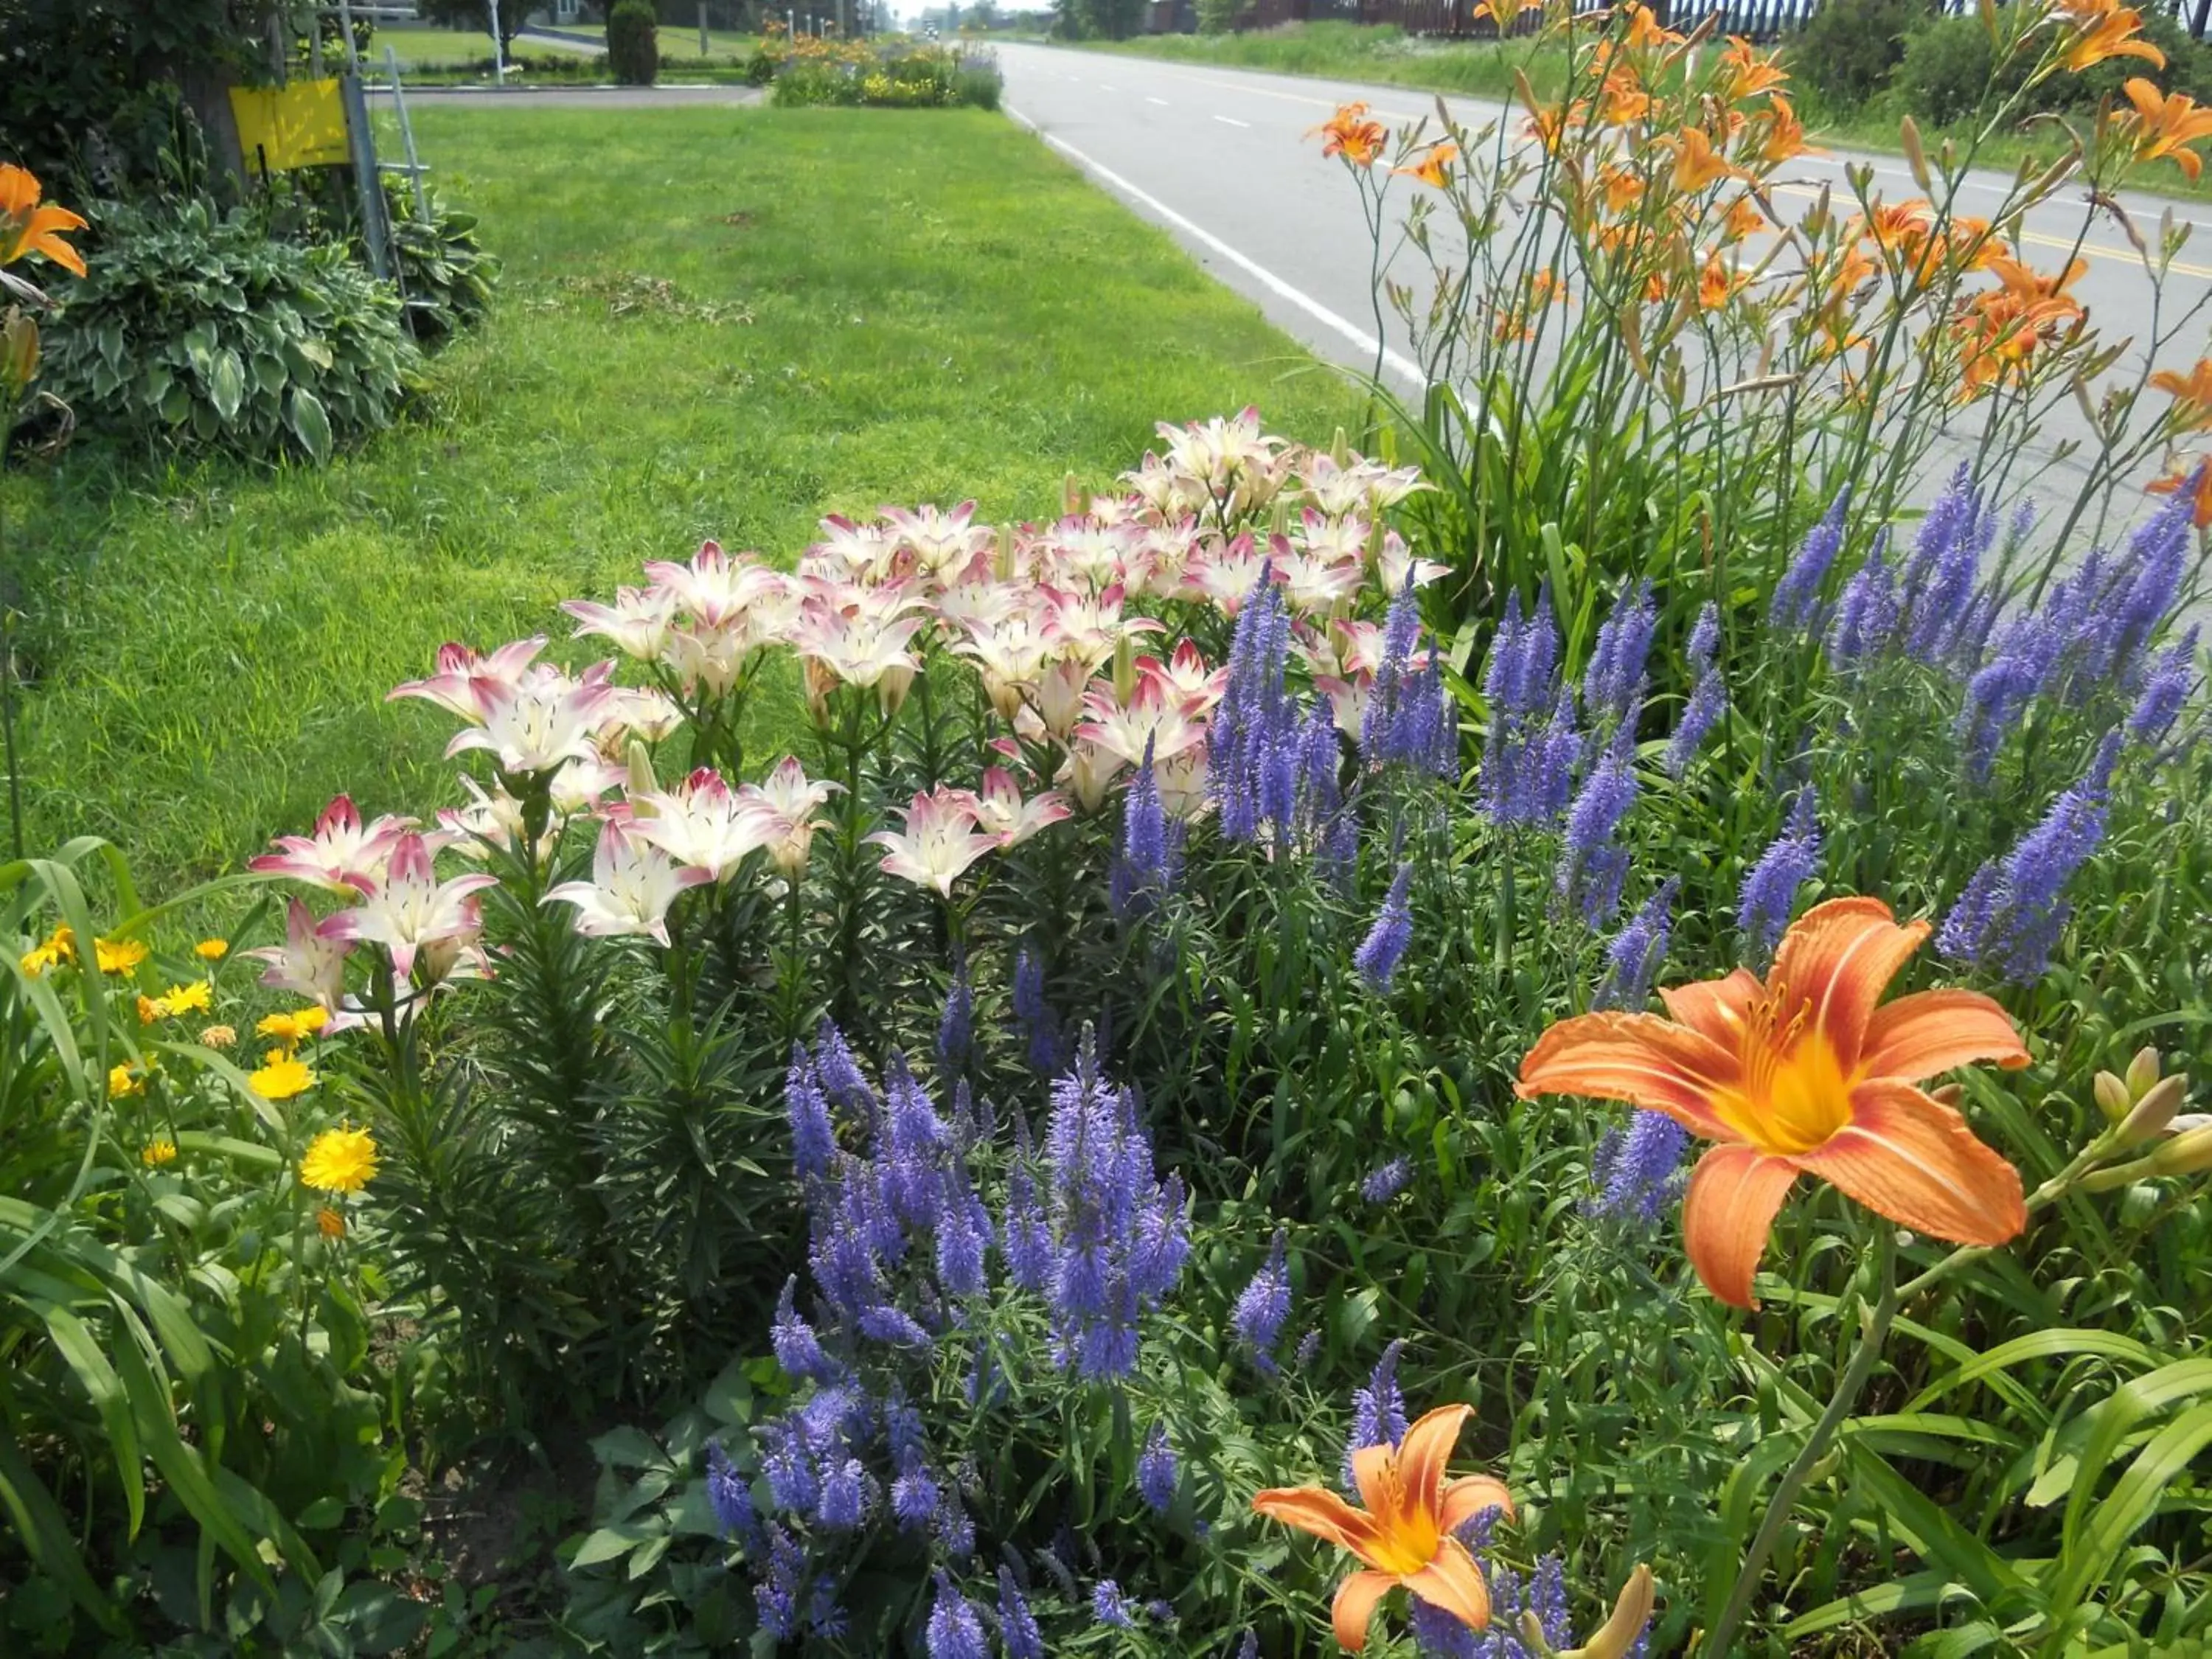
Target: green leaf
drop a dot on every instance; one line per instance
(610, 1542)
(304, 413)
(2042, 1344)
(227, 384)
(75, 1343)
(2130, 1503)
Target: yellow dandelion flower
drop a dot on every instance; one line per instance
(124, 1081)
(118, 955)
(159, 1150)
(342, 1160)
(219, 1037)
(60, 947)
(329, 1223)
(196, 997)
(212, 950)
(281, 1077)
(290, 1029)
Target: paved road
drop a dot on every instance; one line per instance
(1221, 158)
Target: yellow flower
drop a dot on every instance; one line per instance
(329, 1223)
(218, 1036)
(300, 1023)
(118, 955)
(60, 947)
(211, 949)
(151, 1009)
(1434, 167)
(159, 1150)
(340, 1160)
(281, 1077)
(124, 1081)
(197, 997)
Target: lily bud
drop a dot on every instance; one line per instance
(1003, 565)
(2143, 1072)
(1340, 449)
(1278, 517)
(640, 780)
(2112, 1098)
(1073, 497)
(1950, 1094)
(2154, 1111)
(1125, 669)
(19, 350)
(1618, 1636)
(1908, 133)
(2185, 1154)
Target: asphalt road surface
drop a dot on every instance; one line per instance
(1221, 157)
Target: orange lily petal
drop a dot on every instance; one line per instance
(1318, 1510)
(1913, 1159)
(1835, 962)
(1468, 1497)
(19, 189)
(1638, 1058)
(1375, 1478)
(1727, 1214)
(1716, 1008)
(1426, 1448)
(1453, 1583)
(1356, 1600)
(1931, 1032)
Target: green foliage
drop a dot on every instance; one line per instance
(476, 14)
(194, 332)
(1214, 16)
(634, 43)
(444, 272)
(1945, 76)
(1848, 49)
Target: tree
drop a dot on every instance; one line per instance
(476, 14)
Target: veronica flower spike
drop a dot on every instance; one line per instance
(1406, 1533)
(633, 883)
(940, 841)
(410, 908)
(1804, 1074)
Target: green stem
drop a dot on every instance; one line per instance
(1874, 1334)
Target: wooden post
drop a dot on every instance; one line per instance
(702, 28)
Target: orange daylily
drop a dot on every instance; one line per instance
(1406, 1533)
(1745, 74)
(1622, 100)
(1434, 167)
(1644, 29)
(26, 228)
(2000, 333)
(2198, 482)
(2030, 286)
(1623, 186)
(1744, 219)
(2170, 124)
(1349, 134)
(1501, 12)
(1785, 134)
(2191, 394)
(1697, 163)
(1804, 1074)
(2107, 30)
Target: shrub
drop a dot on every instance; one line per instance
(194, 331)
(444, 272)
(1849, 49)
(1950, 63)
(634, 43)
(1215, 16)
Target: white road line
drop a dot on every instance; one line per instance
(1162, 102)
(1398, 364)
(1231, 121)
(1103, 87)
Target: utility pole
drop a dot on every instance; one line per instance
(498, 48)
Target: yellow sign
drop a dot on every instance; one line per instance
(301, 125)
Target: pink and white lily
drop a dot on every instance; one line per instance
(534, 724)
(782, 804)
(702, 822)
(714, 589)
(633, 883)
(941, 839)
(410, 908)
(463, 675)
(637, 622)
(1152, 719)
(342, 855)
(310, 962)
(1000, 812)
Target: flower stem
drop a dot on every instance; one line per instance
(1873, 1334)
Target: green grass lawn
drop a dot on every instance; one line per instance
(1387, 56)
(922, 306)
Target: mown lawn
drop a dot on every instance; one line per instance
(861, 307)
